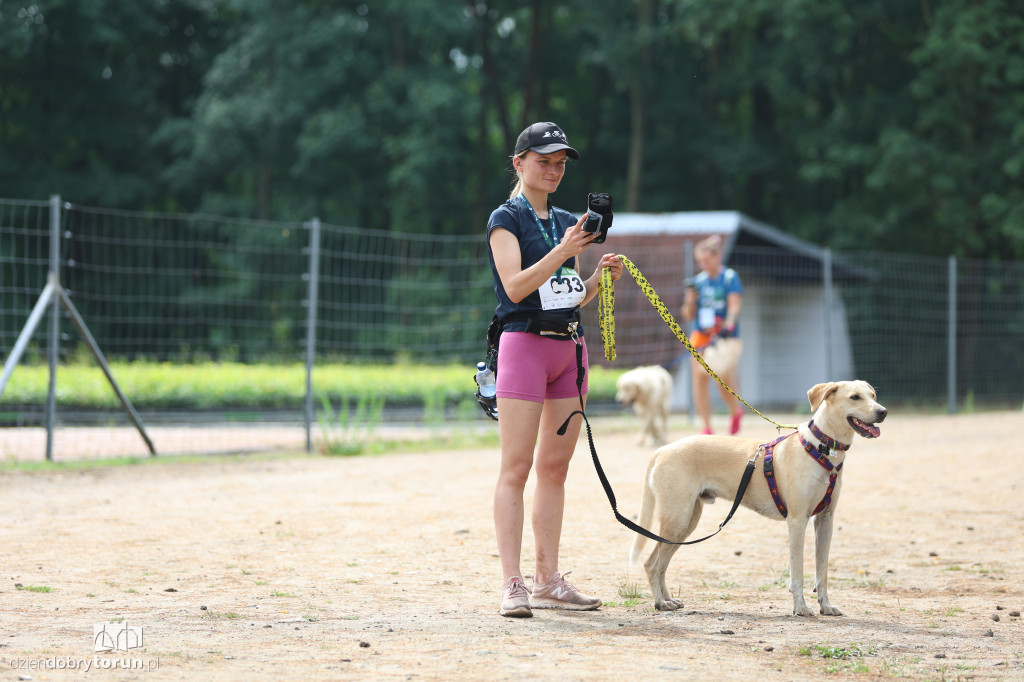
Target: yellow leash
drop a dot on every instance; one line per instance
(606, 313)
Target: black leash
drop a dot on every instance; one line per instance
(747, 473)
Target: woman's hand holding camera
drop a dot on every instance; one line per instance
(576, 239)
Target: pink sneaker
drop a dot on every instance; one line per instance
(706, 432)
(515, 599)
(735, 423)
(559, 593)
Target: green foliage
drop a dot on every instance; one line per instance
(347, 431)
(85, 85)
(232, 385)
(890, 125)
(841, 659)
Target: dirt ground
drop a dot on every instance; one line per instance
(295, 567)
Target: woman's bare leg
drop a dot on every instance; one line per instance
(552, 466)
(517, 429)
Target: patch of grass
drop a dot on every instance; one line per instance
(630, 590)
(781, 583)
(984, 570)
(894, 668)
(376, 447)
(33, 588)
(857, 666)
(115, 462)
(278, 593)
(838, 652)
(349, 430)
(840, 659)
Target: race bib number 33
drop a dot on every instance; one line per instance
(563, 290)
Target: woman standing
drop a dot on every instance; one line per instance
(713, 300)
(533, 255)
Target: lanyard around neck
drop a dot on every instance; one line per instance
(549, 238)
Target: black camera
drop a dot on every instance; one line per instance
(599, 216)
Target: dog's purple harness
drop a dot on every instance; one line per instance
(819, 455)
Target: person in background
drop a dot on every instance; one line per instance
(712, 301)
(534, 249)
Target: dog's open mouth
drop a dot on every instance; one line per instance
(863, 428)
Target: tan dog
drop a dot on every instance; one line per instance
(649, 391)
(682, 476)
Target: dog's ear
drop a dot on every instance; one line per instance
(821, 391)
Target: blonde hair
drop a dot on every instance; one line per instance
(712, 244)
(519, 176)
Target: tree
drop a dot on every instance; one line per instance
(83, 87)
(954, 170)
(858, 125)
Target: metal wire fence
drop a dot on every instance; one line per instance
(182, 288)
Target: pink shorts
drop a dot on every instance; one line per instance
(532, 367)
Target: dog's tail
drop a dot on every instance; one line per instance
(646, 514)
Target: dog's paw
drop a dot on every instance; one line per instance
(829, 610)
(668, 604)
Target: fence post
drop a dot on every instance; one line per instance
(951, 338)
(826, 275)
(314, 282)
(53, 345)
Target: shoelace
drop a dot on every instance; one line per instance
(561, 579)
(518, 589)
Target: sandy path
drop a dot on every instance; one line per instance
(270, 568)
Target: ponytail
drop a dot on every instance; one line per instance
(519, 178)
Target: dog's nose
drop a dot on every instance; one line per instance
(880, 414)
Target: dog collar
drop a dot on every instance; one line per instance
(827, 442)
(818, 456)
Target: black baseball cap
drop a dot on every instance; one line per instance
(544, 138)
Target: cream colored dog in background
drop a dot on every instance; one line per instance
(649, 391)
(686, 474)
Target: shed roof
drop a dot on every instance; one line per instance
(803, 259)
(737, 226)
